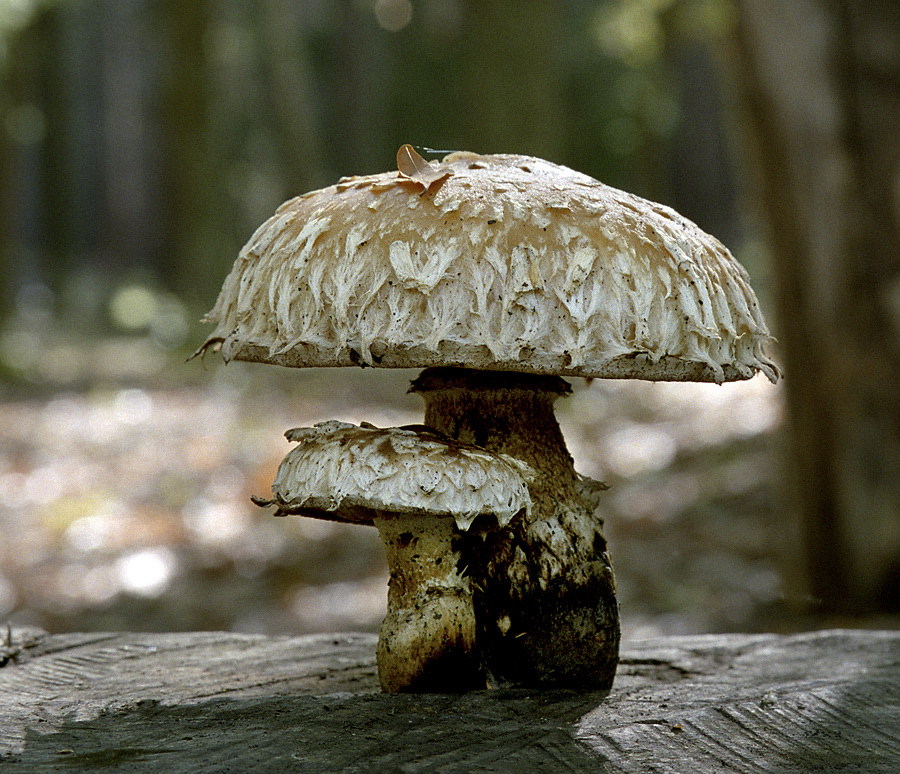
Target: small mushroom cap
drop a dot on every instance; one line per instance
(498, 262)
(343, 472)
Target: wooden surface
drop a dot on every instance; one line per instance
(821, 702)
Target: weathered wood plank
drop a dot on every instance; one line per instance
(827, 701)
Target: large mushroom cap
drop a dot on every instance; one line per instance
(342, 472)
(496, 262)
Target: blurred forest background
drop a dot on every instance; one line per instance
(143, 141)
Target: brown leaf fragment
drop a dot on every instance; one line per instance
(414, 169)
(411, 164)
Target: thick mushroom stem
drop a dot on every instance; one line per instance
(427, 641)
(543, 588)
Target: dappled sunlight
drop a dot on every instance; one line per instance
(127, 493)
(636, 449)
(129, 507)
(620, 429)
(148, 572)
(341, 606)
(690, 513)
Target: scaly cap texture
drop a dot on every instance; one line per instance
(343, 472)
(497, 262)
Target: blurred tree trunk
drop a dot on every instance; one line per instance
(358, 91)
(291, 98)
(822, 78)
(199, 247)
(511, 77)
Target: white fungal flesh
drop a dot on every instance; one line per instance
(496, 262)
(352, 471)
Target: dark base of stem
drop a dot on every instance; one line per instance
(454, 671)
(562, 634)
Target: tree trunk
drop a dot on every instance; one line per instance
(198, 242)
(822, 81)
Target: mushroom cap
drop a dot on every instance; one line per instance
(343, 472)
(496, 262)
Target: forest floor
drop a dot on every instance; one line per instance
(125, 499)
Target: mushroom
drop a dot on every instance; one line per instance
(422, 491)
(500, 274)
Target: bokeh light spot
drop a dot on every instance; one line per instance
(393, 15)
(133, 307)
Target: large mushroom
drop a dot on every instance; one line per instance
(422, 491)
(499, 274)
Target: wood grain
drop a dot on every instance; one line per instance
(212, 702)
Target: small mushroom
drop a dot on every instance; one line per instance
(500, 274)
(422, 491)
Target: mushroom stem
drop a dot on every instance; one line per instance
(543, 588)
(427, 641)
